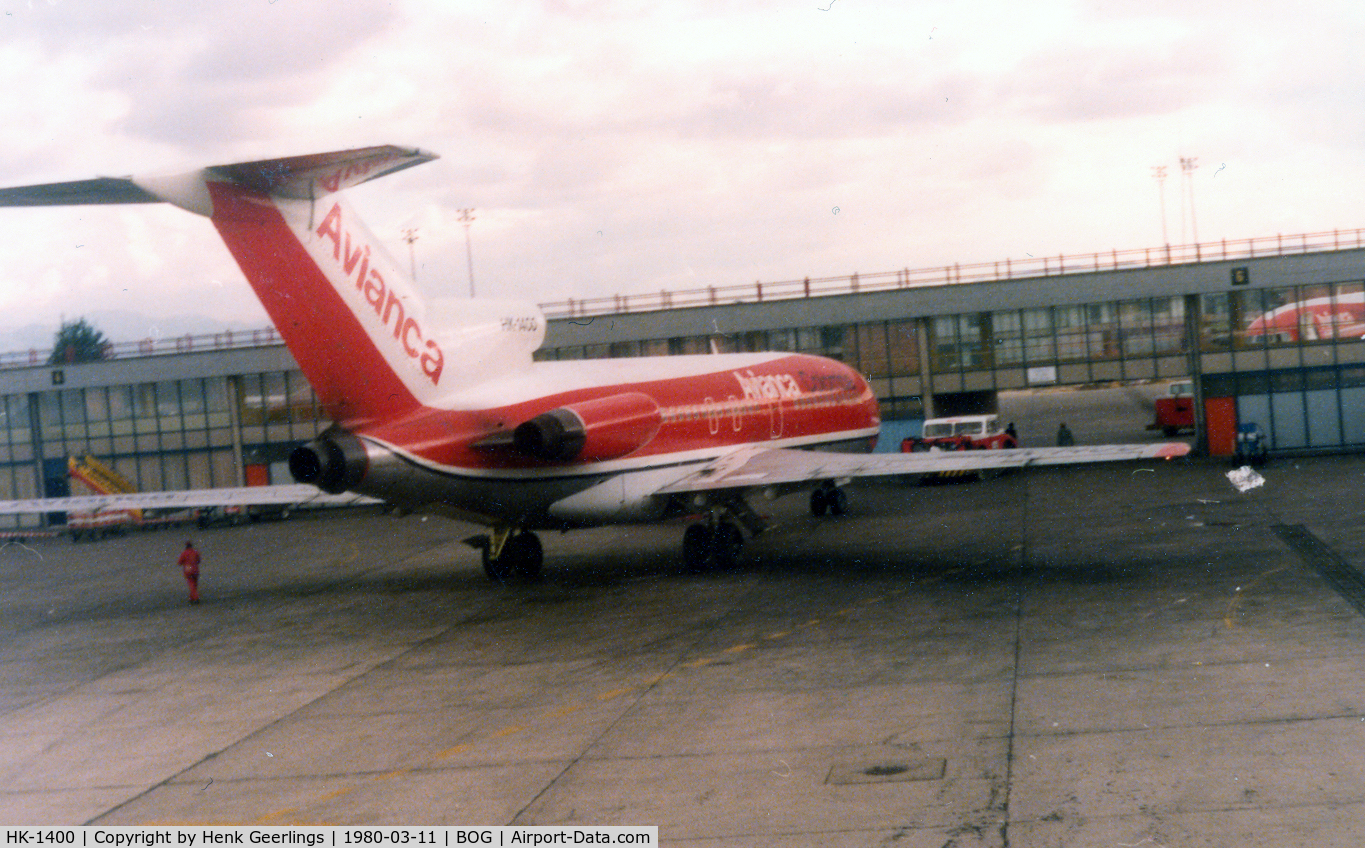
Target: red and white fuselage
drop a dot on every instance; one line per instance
(1342, 316)
(693, 409)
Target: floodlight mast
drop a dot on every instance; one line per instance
(1187, 165)
(410, 236)
(467, 218)
(1159, 174)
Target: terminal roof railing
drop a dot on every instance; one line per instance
(759, 292)
(941, 275)
(157, 347)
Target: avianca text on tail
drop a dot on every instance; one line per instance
(387, 306)
(497, 438)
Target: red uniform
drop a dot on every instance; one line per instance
(189, 563)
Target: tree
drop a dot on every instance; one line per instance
(77, 341)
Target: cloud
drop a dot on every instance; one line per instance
(196, 76)
(233, 77)
(1088, 84)
(624, 145)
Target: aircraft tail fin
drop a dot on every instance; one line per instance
(352, 318)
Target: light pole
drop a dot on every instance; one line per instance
(410, 236)
(1188, 166)
(467, 218)
(1159, 174)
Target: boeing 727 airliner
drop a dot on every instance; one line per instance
(438, 407)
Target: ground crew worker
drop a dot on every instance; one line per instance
(1064, 437)
(189, 563)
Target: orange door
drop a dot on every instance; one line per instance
(258, 475)
(1220, 420)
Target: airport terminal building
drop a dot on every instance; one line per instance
(197, 418)
(1271, 331)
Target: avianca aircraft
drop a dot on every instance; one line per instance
(438, 406)
(1342, 316)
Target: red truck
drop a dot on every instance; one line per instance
(1175, 410)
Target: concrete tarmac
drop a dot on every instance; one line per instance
(1117, 655)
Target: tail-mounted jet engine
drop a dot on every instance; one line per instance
(335, 461)
(591, 430)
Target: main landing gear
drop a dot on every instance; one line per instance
(509, 554)
(828, 498)
(712, 545)
(716, 542)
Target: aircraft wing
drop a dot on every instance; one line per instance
(761, 467)
(241, 496)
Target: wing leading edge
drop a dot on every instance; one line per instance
(761, 467)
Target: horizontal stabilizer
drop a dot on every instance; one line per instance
(314, 175)
(296, 177)
(78, 193)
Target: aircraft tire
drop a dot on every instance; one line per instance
(819, 503)
(838, 502)
(697, 545)
(498, 569)
(726, 544)
(530, 556)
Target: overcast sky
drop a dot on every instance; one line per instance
(637, 146)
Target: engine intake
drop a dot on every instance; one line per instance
(335, 462)
(592, 430)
